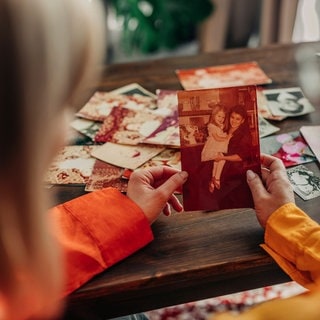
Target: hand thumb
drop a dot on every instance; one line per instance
(173, 183)
(255, 184)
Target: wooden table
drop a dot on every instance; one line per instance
(195, 255)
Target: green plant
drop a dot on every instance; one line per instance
(151, 25)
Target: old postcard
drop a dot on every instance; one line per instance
(219, 143)
(221, 76)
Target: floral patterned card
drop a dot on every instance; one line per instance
(72, 165)
(126, 126)
(101, 103)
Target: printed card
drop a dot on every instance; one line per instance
(304, 182)
(290, 147)
(231, 75)
(125, 156)
(219, 143)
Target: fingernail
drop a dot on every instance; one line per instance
(250, 175)
(184, 175)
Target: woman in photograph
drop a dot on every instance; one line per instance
(233, 182)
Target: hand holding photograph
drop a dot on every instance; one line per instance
(219, 142)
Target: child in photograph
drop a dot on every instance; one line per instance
(217, 142)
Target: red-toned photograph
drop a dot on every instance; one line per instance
(219, 138)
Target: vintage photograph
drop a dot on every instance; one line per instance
(290, 147)
(219, 143)
(304, 182)
(288, 102)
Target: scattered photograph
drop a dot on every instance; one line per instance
(290, 147)
(125, 156)
(168, 157)
(263, 108)
(231, 75)
(126, 126)
(72, 165)
(288, 102)
(311, 134)
(168, 132)
(101, 104)
(304, 182)
(106, 175)
(266, 128)
(133, 89)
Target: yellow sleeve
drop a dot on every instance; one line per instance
(292, 238)
(301, 307)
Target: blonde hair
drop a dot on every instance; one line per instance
(51, 51)
(215, 109)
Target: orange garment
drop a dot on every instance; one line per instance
(96, 231)
(292, 238)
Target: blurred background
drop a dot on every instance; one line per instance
(148, 29)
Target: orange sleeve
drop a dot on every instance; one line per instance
(96, 231)
(292, 238)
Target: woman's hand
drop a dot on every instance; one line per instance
(273, 191)
(152, 190)
(220, 156)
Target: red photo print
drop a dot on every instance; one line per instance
(219, 142)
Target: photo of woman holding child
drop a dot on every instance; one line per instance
(217, 167)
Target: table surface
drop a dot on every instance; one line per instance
(195, 255)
